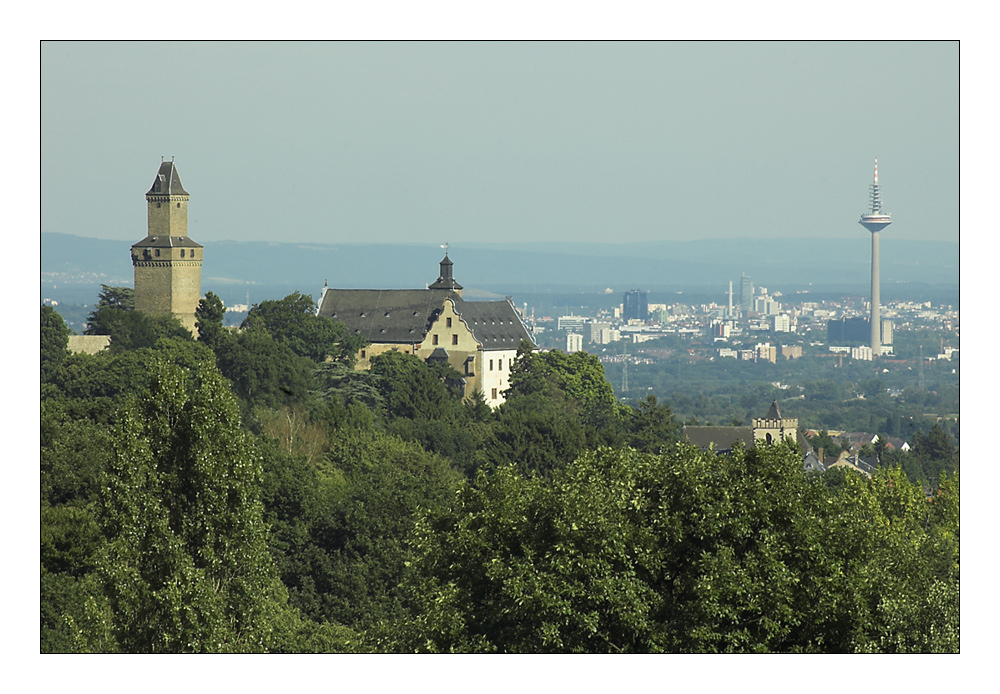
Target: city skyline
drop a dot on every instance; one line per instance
(502, 142)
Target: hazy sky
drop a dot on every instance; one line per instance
(522, 142)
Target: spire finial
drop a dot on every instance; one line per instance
(876, 169)
(445, 247)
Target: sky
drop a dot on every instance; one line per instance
(462, 142)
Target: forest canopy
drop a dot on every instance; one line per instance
(249, 491)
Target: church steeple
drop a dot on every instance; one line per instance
(445, 280)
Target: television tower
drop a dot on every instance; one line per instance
(875, 221)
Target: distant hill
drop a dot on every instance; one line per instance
(231, 268)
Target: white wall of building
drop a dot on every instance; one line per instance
(496, 366)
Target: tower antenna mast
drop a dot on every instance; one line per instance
(875, 220)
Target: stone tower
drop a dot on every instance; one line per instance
(772, 427)
(167, 263)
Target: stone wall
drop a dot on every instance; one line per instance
(89, 344)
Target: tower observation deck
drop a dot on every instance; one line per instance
(875, 220)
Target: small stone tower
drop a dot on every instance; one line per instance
(167, 263)
(445, 280)
(772, 427)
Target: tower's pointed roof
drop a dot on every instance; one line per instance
(167, 181)
(445, 280)
(774, 412)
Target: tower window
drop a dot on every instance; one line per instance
(182, 252)
(448, 323)
(178, 204)
(491, 364)
(157, 252)
(157, 205)
(435, 340)
(494, 393)
(454, 339)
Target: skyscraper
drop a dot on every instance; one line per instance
(746, 294)
(874, 221)
(635, 305)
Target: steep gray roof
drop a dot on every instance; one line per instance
(406, 315)
(167, 181)
(722, 437)
(494, 324)
(167, 242)
(774, 412)
(384, 315)
(445, 280)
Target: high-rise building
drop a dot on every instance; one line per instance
(874, 221)
(746, 293)
(635, 305)
(167, 263)
(574, 343)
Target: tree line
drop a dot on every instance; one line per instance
(249, 491)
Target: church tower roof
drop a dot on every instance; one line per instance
(445, 280)
(167, 181)
(774, 412)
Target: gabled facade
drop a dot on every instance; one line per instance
(479, 339)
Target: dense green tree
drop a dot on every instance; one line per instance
(262, 370)
(54, 338)
(208, 319)
(131, 329)
(535, 434)
(414, 389)
(339, 529)
(681, 552)
(652, 426)
(293, 322)
(186, 567)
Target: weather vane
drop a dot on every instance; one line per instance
(445, 247)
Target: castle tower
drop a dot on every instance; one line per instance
(772, 427)
(875, 221)
(167, 264)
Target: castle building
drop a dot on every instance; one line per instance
(479, 339)
(766, 430)
(167, 263)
